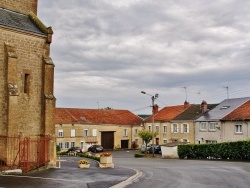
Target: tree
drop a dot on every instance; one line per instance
(146, 136)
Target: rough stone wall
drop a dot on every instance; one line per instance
(21, 6)
(3, 90)
(27, 107)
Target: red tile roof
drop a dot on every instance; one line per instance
(168, 113)
(96, 116)
(240, 113)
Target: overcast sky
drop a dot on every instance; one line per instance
(107, 51)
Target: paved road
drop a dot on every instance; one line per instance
(174, 173)
(157, 173)
(69, 176)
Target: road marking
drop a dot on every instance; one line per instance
(130, 180)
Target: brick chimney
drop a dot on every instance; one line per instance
(155, 109)
(204, 106)
(186, 104)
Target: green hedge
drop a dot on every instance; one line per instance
(239, 150)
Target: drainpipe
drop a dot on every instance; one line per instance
(131, 136)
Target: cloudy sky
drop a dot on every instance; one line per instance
(107, 51)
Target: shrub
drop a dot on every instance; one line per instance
(139, 155)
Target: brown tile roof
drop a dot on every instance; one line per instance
(240, 113)
(96, 116)
(168, 113)
(193, 112)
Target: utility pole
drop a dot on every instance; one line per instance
(227, 92)
(153, 97)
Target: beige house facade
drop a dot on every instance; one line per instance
(167, 132)
(236, 125)
(226, 122)
(113, 129)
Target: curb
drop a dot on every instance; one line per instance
(129, 181)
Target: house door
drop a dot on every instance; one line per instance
(124, 144)
(107, 140)
(157, 141)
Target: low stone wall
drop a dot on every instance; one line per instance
(169, 152)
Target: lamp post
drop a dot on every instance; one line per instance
(153, 97)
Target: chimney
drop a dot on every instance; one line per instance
(155, 109)
(204, 106)
(186, 104)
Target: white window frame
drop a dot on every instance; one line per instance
(81, 144)
(66, 145)
(157, 128)
(212, 126)
(203, 126)
(85, 132)
(125, 132)
(72, 133)
(149, 128)
(174, 128)
(72, 144)
(60, 144)
(185, 128)
(60, 133)
(238, 128)
(164, 128)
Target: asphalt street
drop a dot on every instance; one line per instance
(69, 175)
(133, 172)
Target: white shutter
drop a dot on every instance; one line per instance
(177, 128)
(73, 133)
(94, 132)
(172, 128)
(187, 128)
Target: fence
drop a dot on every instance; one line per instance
(26, 153)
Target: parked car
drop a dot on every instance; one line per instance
(95, 148)
(74, 149)
(157, 149)
(143, 147)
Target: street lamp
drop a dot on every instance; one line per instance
(153, 97)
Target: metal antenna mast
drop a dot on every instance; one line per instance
(185, 91)
(227, 92)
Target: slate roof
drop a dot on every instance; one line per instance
(223, 109)
(167, 113)
(240, 113)
(193, 112)
(18, 21)
(96, 116)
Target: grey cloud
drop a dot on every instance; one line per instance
(109, 50)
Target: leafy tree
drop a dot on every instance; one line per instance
(58, 148)
(146, 136)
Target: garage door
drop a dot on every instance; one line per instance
(107, 140)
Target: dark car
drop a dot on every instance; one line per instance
(74, 149)
(95, 148)
(157, 149)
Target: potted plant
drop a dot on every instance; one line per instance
(106, 160)
(83, 163)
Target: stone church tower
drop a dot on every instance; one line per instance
(27, 99)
